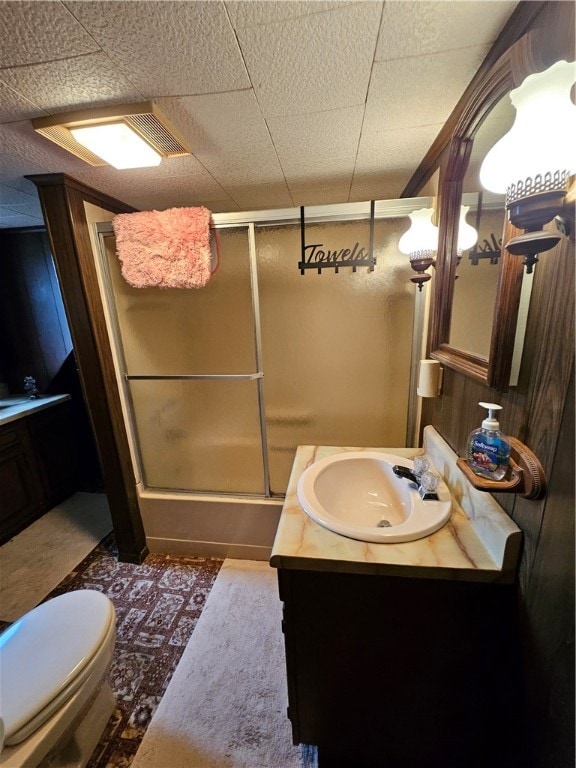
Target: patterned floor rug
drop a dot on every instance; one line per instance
(157, 606)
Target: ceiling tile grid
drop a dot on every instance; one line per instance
(14, 106)
(418, 27)
(433, 82)
(283, 102)
(67, 84)
(257, 12)
(35, 32)
(312, 63)
(228, 135)
(167, 48)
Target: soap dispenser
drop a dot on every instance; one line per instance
(488, 449)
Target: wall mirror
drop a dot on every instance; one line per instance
(479, 303)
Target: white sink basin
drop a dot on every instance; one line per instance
(356, 493)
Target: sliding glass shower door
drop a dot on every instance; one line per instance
(224, 382)
(190, 361)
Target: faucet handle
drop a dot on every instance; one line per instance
(429, 482)
(421, 464)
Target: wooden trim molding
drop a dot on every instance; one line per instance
(522, 19)
(62, 200)
(536, 50)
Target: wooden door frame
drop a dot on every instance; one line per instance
(62, 200)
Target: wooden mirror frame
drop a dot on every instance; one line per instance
(534, 52)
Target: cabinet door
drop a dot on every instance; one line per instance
(53, 439)
(21, 496)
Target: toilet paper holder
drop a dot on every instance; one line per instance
(430, 376)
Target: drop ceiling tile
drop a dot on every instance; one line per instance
(13, 106)
(170, 168)
(59, 86)
(228, 134)
(319, 195)
(167, 48)
(261, 196)
(434, 84)
(256, 12)
(416, 27)
(10, 196)
(175, 198)
(31, 208)
(26, 152)
(140, 181)
(378, 186)
(335, 170)
(316, 135)
(403, 148)
(317, 51)
(217, 122)
(11, 220)
(12, 171)
(235, 172)
(41, 31)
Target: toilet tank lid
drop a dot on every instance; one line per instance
(41, 653)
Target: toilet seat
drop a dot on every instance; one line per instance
(47, 655)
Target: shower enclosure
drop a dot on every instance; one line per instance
(221, 384)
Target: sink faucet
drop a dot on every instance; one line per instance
(427, 482)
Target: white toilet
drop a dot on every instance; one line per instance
(54, 700)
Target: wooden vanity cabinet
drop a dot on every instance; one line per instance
(37, 466)
(52, 433)
(21, 492)
(396, 672)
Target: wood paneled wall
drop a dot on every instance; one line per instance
(540, 412)
(34, 336)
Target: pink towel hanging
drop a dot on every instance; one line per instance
(166, 249)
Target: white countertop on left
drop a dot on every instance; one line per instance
(17, 406)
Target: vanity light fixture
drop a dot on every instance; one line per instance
(133, 136)
(420, 244)
(532, 163)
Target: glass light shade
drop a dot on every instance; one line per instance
(467, 235)
(422, 237)
(541, 139)
(117, 144)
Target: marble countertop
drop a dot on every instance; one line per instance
(479, 542)
(18, 406)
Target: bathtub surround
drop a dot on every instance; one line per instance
(165, 249)
(36, 560)
(226, 704)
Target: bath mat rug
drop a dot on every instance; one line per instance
(158, 604)
(226, 704)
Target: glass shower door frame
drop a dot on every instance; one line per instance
(104, 230)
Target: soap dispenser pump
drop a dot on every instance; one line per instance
(488, 449)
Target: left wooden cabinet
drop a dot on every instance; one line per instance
(37, 466)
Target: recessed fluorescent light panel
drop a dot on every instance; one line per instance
(118, 145)
(134, 136)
